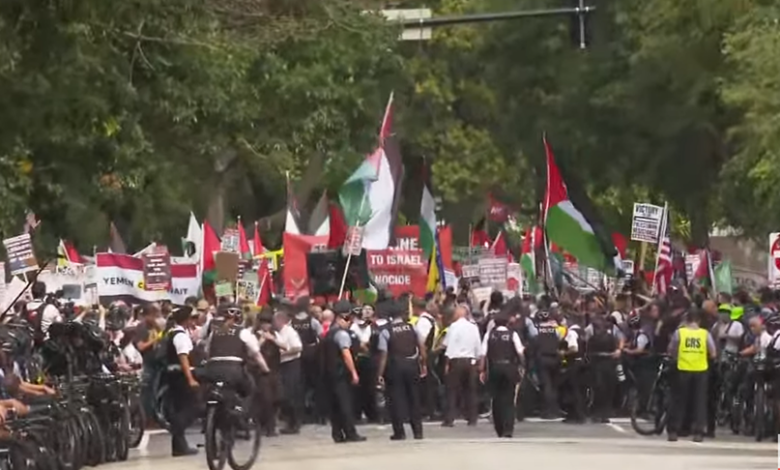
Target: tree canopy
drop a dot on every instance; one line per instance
(141, 111)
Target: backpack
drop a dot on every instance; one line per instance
(159, 356)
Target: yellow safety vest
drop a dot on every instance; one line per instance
(413, 320)
(692, 352)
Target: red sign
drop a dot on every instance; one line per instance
(295, 274)
(400, 270)
(774, 252)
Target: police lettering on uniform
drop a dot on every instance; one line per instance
(309, 330)
(692, 346)
(502, 354)
(340, 375)
(401, 364)
(181, 382)
(603, 351)
(547, 358)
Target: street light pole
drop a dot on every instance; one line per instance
(581, 11)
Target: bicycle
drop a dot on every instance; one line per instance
(227, 419)
(657, 406)
(131, 390)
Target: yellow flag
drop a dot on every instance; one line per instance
(433, 271)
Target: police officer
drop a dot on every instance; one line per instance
(402, 363)
(340, 375)
(692, 347)
(229, 347)
(309, 330)
(573, 351)
(181, 382)
(548, 339)
(502, 355)
(603, 352)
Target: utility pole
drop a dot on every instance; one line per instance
(579, 12)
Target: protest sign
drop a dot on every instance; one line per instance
(646, 222)
(157, 270)
(492, 272)
(400, 270)
(21, 258)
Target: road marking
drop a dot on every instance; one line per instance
(616, 427)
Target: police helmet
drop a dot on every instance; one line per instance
(229, 310)
(543, 314)
(634, 318)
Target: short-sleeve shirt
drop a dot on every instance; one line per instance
(182, 343)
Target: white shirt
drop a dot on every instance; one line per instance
(462, 340)
(132, 355)
(762, 344)
(182, 343)
(572, 335)
(424, 326)
(519, 348)
(292, 343)
(363, 332)
(50, 314)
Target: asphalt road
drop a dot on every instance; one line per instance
(540, 444)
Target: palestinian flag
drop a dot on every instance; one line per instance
(293, 221)
(427, 221)
(371, 195)
(319, 222)
(192, 244)
(243, 243)
(211, 246)
(571, 222)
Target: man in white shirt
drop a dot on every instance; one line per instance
(463, 347)
(38, 306)
(290, 373)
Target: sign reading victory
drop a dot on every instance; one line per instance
(646, 223)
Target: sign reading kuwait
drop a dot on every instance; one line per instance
(121, 277)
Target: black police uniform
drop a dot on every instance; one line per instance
(181, 400)
(403, 378)
(503, 376)
(548, 364)
(339, 389)
(227, 356)
(600, 345)
(432, 381)
(310, 363)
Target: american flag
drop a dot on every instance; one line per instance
(664, 268)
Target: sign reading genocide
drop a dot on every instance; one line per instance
(646, 223)
(157, 270)
(400, 270)
(21, 258)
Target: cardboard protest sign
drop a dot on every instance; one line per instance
(400, 270)
(157, 270)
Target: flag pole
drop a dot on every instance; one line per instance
(661, 234)
(349, 254)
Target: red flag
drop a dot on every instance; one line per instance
(497, 210)
(71, 254)
(499, 247)
(258, 243)
(664, 269)
(479, 236)
(211, 245)
(387, 122)
(243, 243)
(338, 227)
(266, 284)
(620, 243)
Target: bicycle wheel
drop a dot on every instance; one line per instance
(121, 432)
(96, 448)
(216, 441)
(735, 415)
(759, 407)
(161, 408)
(137, 422)
(64, 444)
(644, 419)
(241, 437)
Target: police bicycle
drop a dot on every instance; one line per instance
(229, 423)
(651, 417)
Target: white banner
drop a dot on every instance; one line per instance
(122, 277)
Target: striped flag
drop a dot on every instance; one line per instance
(663, 266)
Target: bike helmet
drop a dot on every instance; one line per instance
(772, 321)
(229, 310)
(634, 318)
(737, 312)
(542, 315)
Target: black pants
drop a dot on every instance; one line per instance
(461, 383)
(689, 390)
(502, 384)
(574, 387)
(549, 369)
(267, 397)
(403, 396)
(713, 390)
(292, 399)
(342, 414)
(365, 392)
(604, 375)
(311, 377)
(429, 388)
(182, 402)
